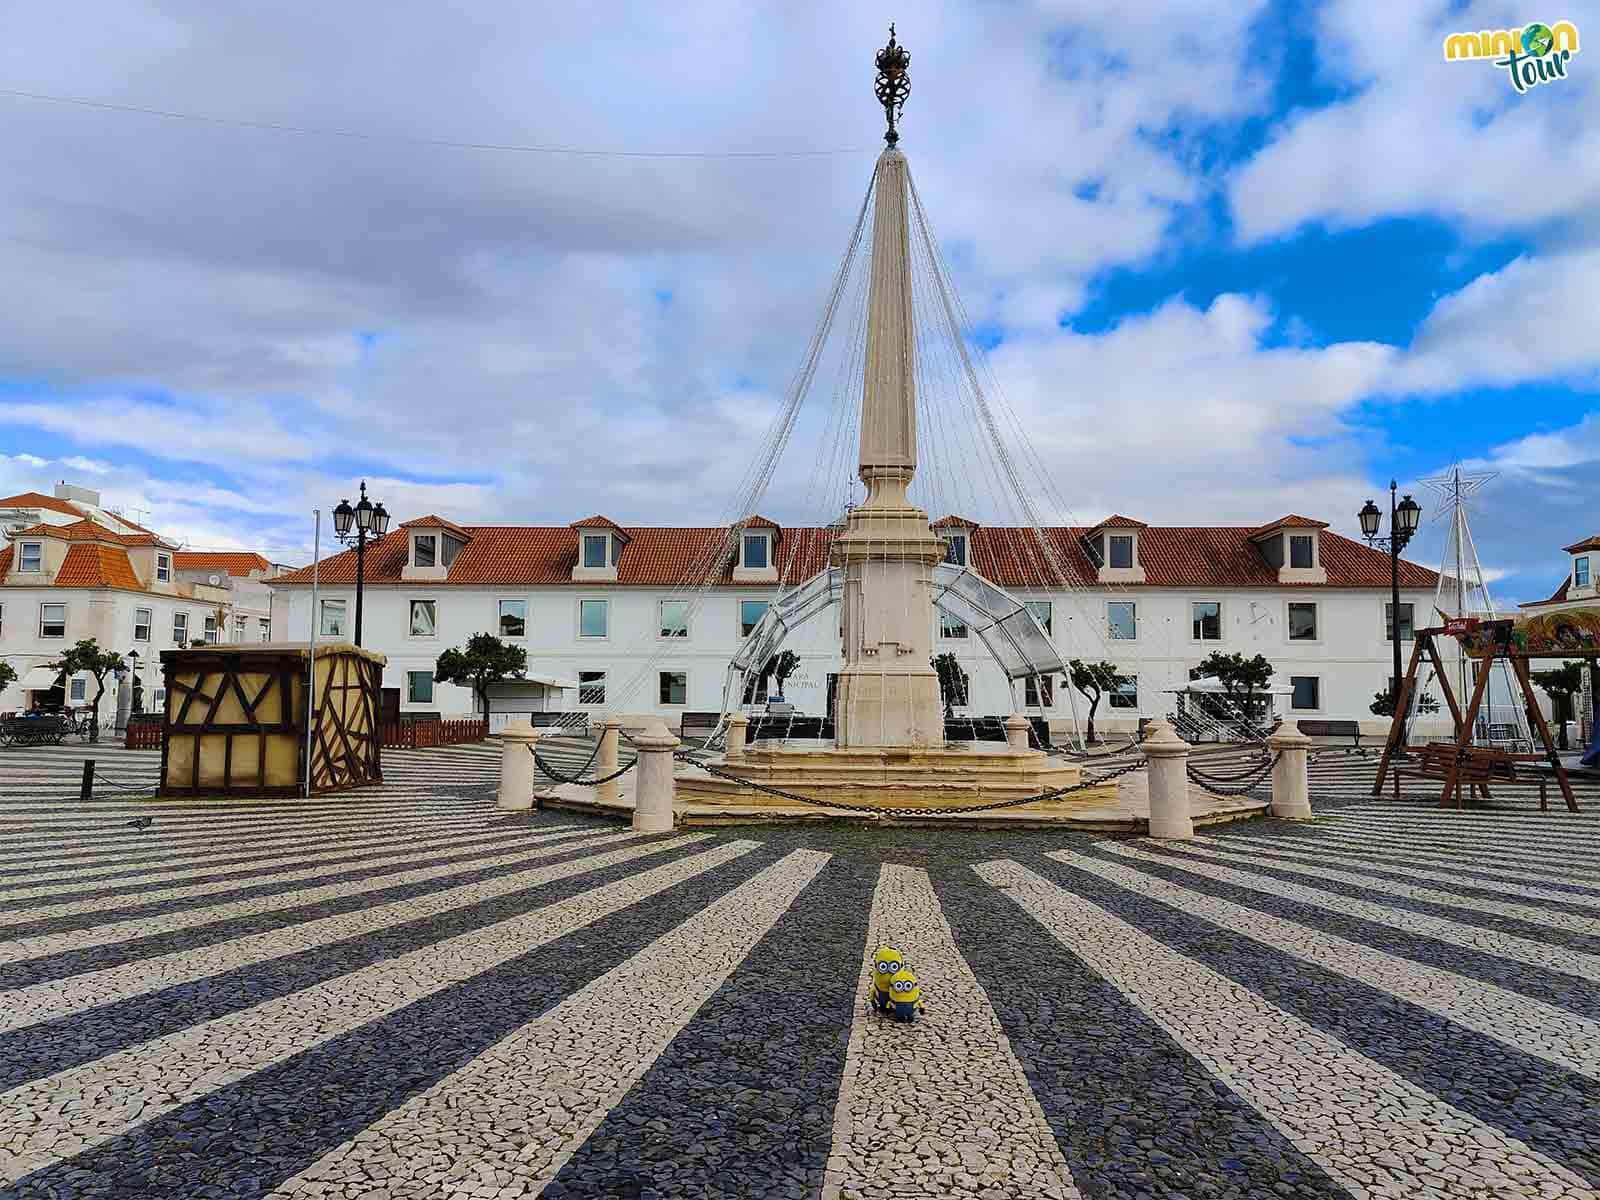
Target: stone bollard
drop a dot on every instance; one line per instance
(1291, 788)
(737, 725)
(1168, 756)
(606, 761)
(653, 789)
(518, 741)
(1017, 727)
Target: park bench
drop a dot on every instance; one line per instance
(1477, 768)
(37, 730)
(1333, 729)
(698, 725)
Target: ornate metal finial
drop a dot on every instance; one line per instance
(893, 85)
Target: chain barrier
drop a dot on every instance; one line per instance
(544, 766)
(1224, 785)
(886, 810)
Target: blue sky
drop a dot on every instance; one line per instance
(1227, 261)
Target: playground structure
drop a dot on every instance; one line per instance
(1511, 645)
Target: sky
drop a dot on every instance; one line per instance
(1226, 261)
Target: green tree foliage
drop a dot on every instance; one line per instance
(952, 681)
(1241, 679)
(88, 658)
(1561, 684)
(485, 661)
(1383, 704)
(1094, 680)
(8, 675)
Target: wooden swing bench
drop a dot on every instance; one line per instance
(1474, 767)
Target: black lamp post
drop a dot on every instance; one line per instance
(371, 521)
(1403, 520)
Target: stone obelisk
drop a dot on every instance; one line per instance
(888, 694)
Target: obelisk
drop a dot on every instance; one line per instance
(888, 694)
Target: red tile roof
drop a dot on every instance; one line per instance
(40, 500)
(1560, 595)
(96, 566)
(1289, 522)
(1589, 543)
(234, 562)
(5, 561)
(434, 522)
(90, 531)
(757, 521)
(1118, 521)
(1188, 557)
(951, 521)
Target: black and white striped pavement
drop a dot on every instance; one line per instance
(409, 993)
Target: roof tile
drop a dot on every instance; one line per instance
(235, 562)
(93, 566)
(1588, 543)
(1289, 522)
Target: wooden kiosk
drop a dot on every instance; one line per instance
(235, 720)
(1561, 635)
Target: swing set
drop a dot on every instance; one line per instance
(1561, 635)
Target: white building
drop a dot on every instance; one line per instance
(619, 612)
(70, 569)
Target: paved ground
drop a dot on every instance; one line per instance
(412, 994)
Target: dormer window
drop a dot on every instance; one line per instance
(1113, 550)
(1580, 571)
(757, 553)
(596, 549)
(1302, 551)
(955, 549)
(32, 557)
(163, 568)
(424, 550)
(1121, 547)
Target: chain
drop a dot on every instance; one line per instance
(578, 778)
(784, 794)
(1255, 779)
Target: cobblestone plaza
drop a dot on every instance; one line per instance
(410, 993)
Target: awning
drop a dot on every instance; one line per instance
(549, 681)
(553, 681)
(39, 679)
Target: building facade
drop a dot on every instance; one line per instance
(643, 620)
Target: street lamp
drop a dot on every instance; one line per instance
(371, 522)
(1404, 518)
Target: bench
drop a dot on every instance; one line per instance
(698, 725)
(574, 723)
(37, 730)
(1477, 768)
(993, 729)
(1332, 729)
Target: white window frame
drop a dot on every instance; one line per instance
(241, 623)
(583, 551)
(416, 544)
(1115, 694)
(77, 690)
(1583, 561)
(163, 568)
(322, 616)
(661, 621)
(38, 557)
(148, 623)
(1288, 551)
(744, 551)
(739, 613)
(1044, 686)
(208, 625)
(1048, 621)
(1293, 707)
(411, 607)
(176, 635)
(1110, 635)
(264, 629)
(1133, 551)
(1383, 620)
(500, 617)
(1316, 624)
(684, 703)
(1222, 629)
(431, 684)
(44, 604)
(604, 680)
(954, 631)
(578, 613)
(962, 557)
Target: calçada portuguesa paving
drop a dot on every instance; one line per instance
(411, 993)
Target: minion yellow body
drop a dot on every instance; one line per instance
(885, 962)
(905, 994)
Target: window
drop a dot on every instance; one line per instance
(238, 628)
(419, 687)
(78, 690)
(164, 568)
(949, 627)
(180, 625)
(955, 550)
(2, 619)
(1122, 618)
(755, 551)
(211, 629)
(513, 618)
(32, 557)
(160, 700)
(424, 618)
(141, 624)
(1207, 616)
(595, 546)
(750, 612)
(1307, 693)
(333, 618)
(1580, 571)
(594, 619)
(1121, 550)
(591, 687)
(1126, 693)
(1302, 550)
(52, 620)
(424, 550)
(1039, 691)
(1302, 622)
(1041, 610)
(674, 687)
(266, 629)
(1405, 621)
(674, 618)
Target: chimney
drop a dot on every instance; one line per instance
(71, 491)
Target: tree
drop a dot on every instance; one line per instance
(952, 681)
(88, 658)
(1094, 680)
(1383, 704)
(8, 675)
(485, 661)
(1561, 684)
(1241, 678)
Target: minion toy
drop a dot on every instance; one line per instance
(905, 994)
(885, 963)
